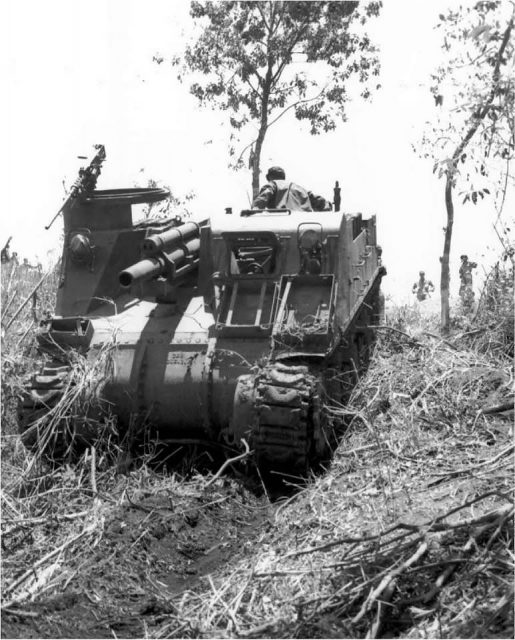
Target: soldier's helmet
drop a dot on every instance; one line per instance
(276, 173)
(464, 257)
(421, 273)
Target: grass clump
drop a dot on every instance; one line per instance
(28, 297)
(495, 312)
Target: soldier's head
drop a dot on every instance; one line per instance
(276, 173)
(464, 258)
(421, 273)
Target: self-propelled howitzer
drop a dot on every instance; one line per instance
(223, 331)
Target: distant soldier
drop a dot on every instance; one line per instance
(280, 193)
(337, 196)
(466, 282)
(5, 254)
(423, 288)
(28, 266)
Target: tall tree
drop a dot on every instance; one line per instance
(259, 60)
(473, 137)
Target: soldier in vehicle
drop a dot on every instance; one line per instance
(423, 288)
(466, 291)
(280, 193)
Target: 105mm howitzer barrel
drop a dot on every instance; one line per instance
(172, 253)
(143, 270)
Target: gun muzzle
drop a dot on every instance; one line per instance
(181, 260)
(143, 270)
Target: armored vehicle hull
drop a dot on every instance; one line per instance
(239, 331)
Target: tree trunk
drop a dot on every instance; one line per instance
(263, 126)
(451, 176)
(257, 159)
(445, 277)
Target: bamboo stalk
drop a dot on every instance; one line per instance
(93, 471)
(11, 275)
(8, 305)
(25, 334)
(22, 305)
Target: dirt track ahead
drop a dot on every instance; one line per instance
(155, 547)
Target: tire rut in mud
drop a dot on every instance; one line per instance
(153, 547)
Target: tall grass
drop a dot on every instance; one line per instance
(24, 306)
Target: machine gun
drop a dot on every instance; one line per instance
(172, 254)
(86, 180)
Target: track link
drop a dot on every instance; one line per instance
(48, 419)
(287, 431)
(38, 400)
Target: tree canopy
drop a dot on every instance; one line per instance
(475, 89)
(259, 60)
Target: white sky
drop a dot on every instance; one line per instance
(78, 73)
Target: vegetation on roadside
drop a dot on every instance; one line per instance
(408, 533)
(472, 136)
(28, 296)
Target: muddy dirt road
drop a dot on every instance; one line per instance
(159, 543)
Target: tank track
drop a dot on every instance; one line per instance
(57, 435)
(44, 393)
(288, 423)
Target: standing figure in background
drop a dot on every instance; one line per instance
(337, 196)
(423, 288)
(466, 282)
(5, 254)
